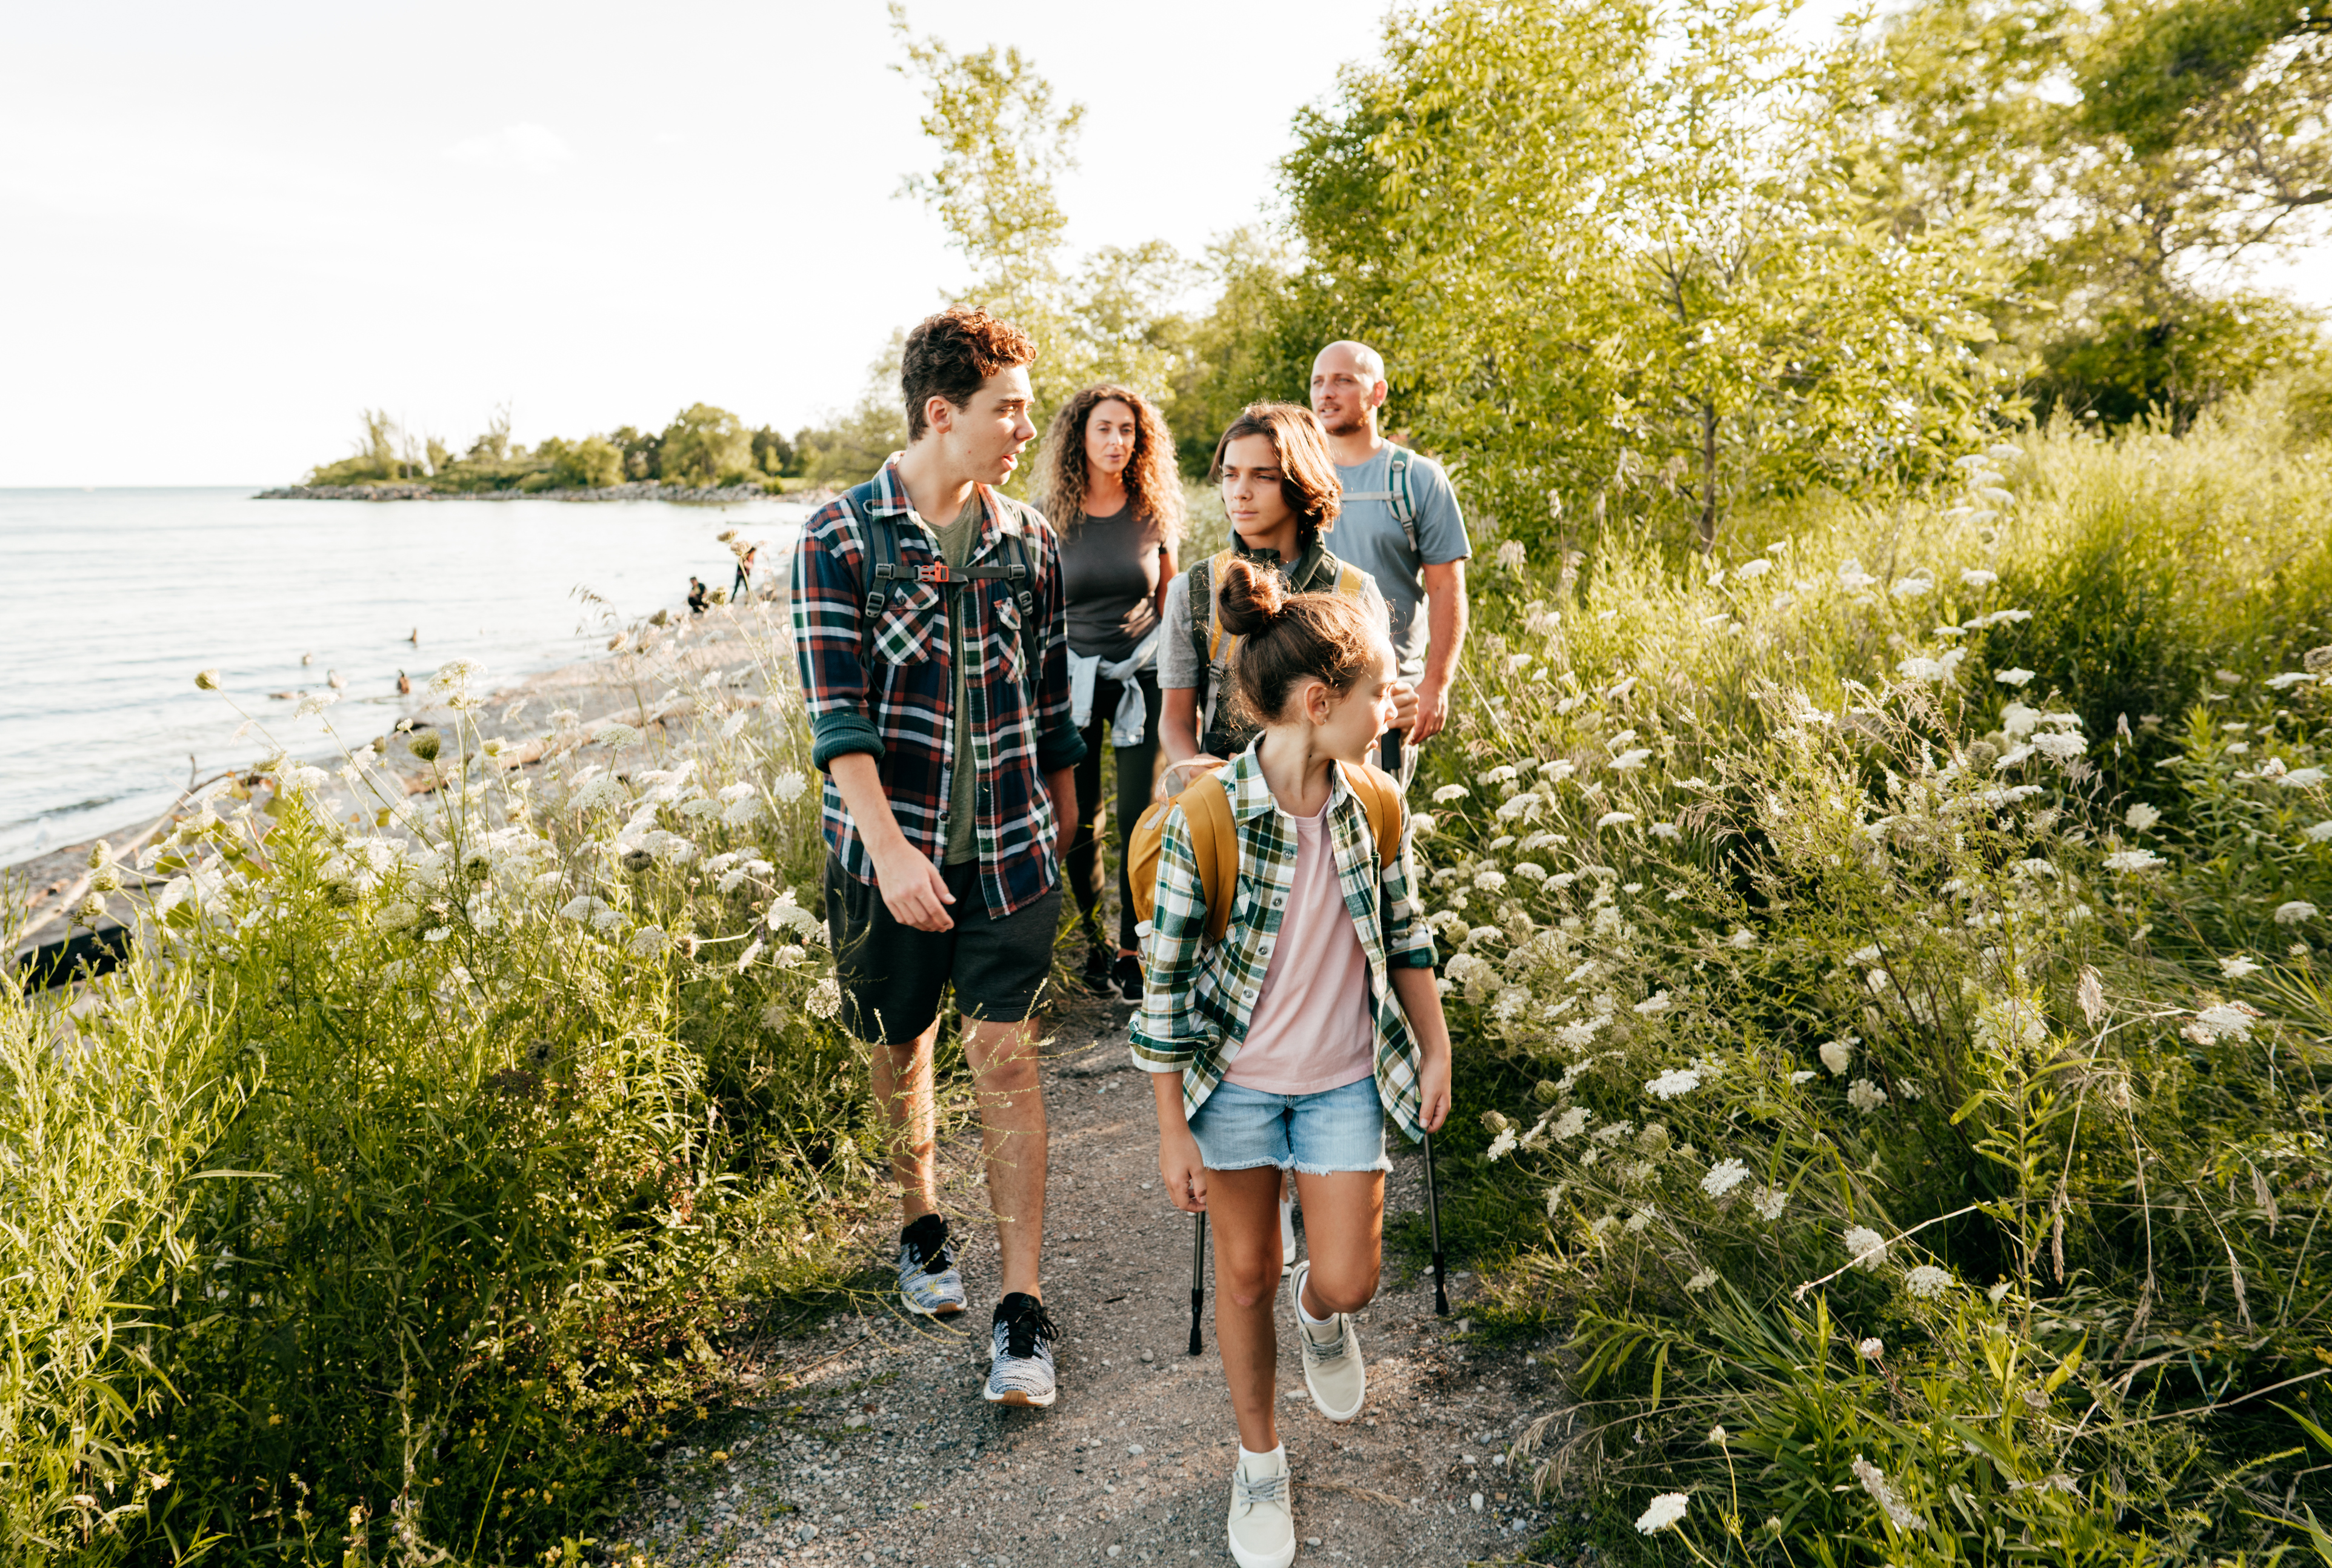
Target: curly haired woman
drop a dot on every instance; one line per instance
(1110, 493)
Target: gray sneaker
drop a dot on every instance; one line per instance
(928, 1281)
(1022, 1372)
(1332, 1367)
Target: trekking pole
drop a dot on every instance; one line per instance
(1433, 1231)
(1197, 1277)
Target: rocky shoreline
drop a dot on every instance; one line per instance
(641, 491)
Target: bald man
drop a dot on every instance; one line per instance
(1401, 525)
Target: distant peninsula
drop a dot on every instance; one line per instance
(703, 454)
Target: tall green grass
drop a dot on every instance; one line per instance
(1908, 1042)
(413, 1180)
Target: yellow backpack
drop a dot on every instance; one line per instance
(1214, 836)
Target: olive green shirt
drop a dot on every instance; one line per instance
(956, 542)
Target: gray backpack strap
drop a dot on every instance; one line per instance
(1397, 497)
(1202, 628)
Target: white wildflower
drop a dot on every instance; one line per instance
(2295, 912)
(2140, 817)
(582, 907)
(1756, 568)
(1530, 870)
(1511, 555)
(1451, 791)
(825, 998)
(1913, 587)
(1701, 1281)
(1925, 671)
(1852, 578)
(2058, 745)
(1838, 1055)
(1503, 1145)
(1490, 879)
(1569, 1123)
(2237, 967)
(1875, 1483)
(1674, 1084)
(2133, 861)
(1614, 819)
(1865, 1096)
(1743, 938)
(1723, 1177)
(1865, 1247)
(1632, 759)
(396, 917)
(2223, 1019)
(1769, 1202)
(2321, 834)
(1666, 1510)
(648, 941)
(1804, 1075)
(1638, 1222)
(2019, 720)
(741, 813)
(1670, 831)
(2300, 778)
(1978, 577)
(2012, 676)
(1927, 1281)
(1657, 1003)
(1872, 1349)
(599, 793)
(616, 736)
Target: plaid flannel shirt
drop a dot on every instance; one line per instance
(1197, 1001)
(906, 720)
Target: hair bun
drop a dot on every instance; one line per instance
(1249, 598)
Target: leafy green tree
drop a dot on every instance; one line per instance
(773, 454)
(643, 454)
(2128, 158)
(1603, 250)
(595, 462)
(704, 445)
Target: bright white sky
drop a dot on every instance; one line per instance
(229, 227)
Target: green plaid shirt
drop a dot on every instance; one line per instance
(1197, 1001)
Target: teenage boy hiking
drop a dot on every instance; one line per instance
(1401, 526)
(929, 624)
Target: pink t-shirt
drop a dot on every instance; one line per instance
(1311, 1030)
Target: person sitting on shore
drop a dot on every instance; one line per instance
(695, 596)
(1111, 490)
(930, 633)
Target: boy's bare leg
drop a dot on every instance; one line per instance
(902, 1075)
(1003, 1062)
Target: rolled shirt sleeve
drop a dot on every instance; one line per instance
(1168, 1028)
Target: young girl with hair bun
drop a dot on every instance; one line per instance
(1285, 1045)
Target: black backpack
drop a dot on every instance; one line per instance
(879, 544)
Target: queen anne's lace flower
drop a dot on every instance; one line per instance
(825, 998)
(1666, 1510)
(1865, 1247)
(2140, 817)
(1701, 1281)
(1723, 1177)
(1927, 1281)
(1614, 819)
(2295, 912)
(1874, 1481)
(1569, 1123)
(1675, 1084)
(1838, 1055)
(1657, 1003)
(1865, 1096)
(1450, 792)
(2133, 861)
(1769, 1202)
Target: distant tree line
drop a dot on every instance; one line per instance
(701, 446)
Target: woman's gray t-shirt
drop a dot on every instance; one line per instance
(1109, 578)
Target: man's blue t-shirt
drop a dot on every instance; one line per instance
(1366, 536)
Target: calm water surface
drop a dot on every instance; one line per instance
(116, 598)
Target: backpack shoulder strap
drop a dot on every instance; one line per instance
(1217, 565)
(1352, 582)
(1214, 845)
(1380, 791)
(1402, 504)
(878, 566)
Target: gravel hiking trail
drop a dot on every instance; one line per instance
(881, 1451)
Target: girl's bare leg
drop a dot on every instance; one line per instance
(1243, 1212)
(1343, 1214)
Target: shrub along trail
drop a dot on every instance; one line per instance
(885, 1453)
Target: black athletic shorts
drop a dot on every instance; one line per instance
(892, 975)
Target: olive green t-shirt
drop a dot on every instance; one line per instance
(956, 542)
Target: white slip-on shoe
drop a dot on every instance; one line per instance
(1263, 1514)
(1333, 1370)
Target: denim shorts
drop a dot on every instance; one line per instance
(1338, 1129)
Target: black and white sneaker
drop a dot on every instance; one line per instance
(1127, 975)
(1023, 1349)
(929, 1283)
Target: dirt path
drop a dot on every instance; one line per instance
(888, 1455)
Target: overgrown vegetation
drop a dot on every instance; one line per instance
(425, 1165)
(703, 446)
(1902, 941)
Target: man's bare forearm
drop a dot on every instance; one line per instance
(858, 779)
(1444, 620)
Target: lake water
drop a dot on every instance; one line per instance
(116, 598)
